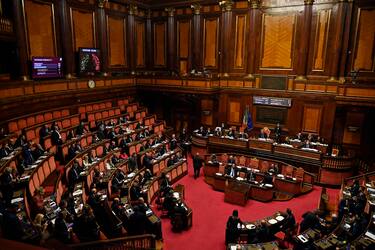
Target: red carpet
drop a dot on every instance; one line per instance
(210, 214)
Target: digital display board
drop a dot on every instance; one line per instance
(89, 62)
(272, 101)
(46, 67)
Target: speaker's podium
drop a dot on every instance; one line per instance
(236, 192)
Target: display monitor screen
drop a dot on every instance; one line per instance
(46, 67)
(89, 62)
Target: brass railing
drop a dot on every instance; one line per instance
(140, 242)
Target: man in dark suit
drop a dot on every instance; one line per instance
(135, 191)
(173, 142)
(7, 185)
(138, 222)
(132, 162)
(12, 227)
(197, 164)
(278, 133)
(81, 129)
(147, 161)
(55, 136)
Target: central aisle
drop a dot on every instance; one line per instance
(210, 214)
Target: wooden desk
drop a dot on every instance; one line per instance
(219, 182)
(288, 185)
(261, 193)
(297, 153)
(261, 145)
(227, 142)
(209, 172)
(236, 192)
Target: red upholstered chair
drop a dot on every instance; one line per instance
(39, 119)
(264, 166)
(74, 121)
(242, 161)
(254, 163)
(89, 108)
(105, 114)
(224, 158)
(111, 112)
(65, 112)
(299, 174)
(95, 106)
(56, 114)
(21, 124)
(288, 170)
(52, 164)
(30, 121)
(108, 104)
(99, 151)
(12, 127)
(102, 105)
(48, 116)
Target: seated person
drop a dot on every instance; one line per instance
(273, 170)
(27, 154)
(232, 233)
(138, 223)
(231, 170)
(135, 191)
(43, 228)
(171, 161)
(146, 177)
(263, 232)
(179, 218)
(118, 208)
(267, 179)
(310, 220)
(56, 136)
(250, 176)
(7, 185)
(164, 184)
(262, 135)
(232, 133)
(12, 228)
(290, 222)
(38, 200)
(132, 162)
(85, 226)
(81, 129)
(213, 159)
(202, 131)
(85, 162)
(63, 232)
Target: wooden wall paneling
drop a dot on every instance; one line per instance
(319, 41)
(353, 128)
(132, 50)
(83, 27)
(225, 35)
(40, 23)
(207, 118)
(171, 43)
(278, 33)
(116, 26)
(364, 54)
(346, 50)
(140, 43)
(338, 14)
(234, 111)
(149, 40)
(196, 40)
(183, 45)
(312, 115)
(211, 42)
(101, 23)
(253, 52)
(66, 38)
(160, 34)
(19, 26)
(304, 40)
(240, 27)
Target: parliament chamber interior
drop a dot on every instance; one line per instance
(203, 124)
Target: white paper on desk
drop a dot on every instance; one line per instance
(77, 192)
(131, 175)
(368, 185)
(302, 238)
(370, 235)
(219, 174)
(268, 185)
(38, 161)
(25, 177)
(16, 200)
(43, 156)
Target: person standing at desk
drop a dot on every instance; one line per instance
(278, 133)
(232, 232)
(197, 164)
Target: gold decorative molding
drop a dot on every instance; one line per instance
(196, 7)
(133, 9)
(301, 78)
(101, 3)
(309, 2)
(170, 11)
(254, 4)
(226, 5)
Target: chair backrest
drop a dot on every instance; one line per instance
(254, 163)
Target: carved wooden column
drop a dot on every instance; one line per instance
(19, 27)
(254, 31)
(344, 68)
(171, 52)
(197, 38)
(66, 36)
(226, 36)
(304, 44)
(133, 9)
(337, 41)
(102, 32)
(149, 53)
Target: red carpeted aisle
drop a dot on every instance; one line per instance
(210, 214)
